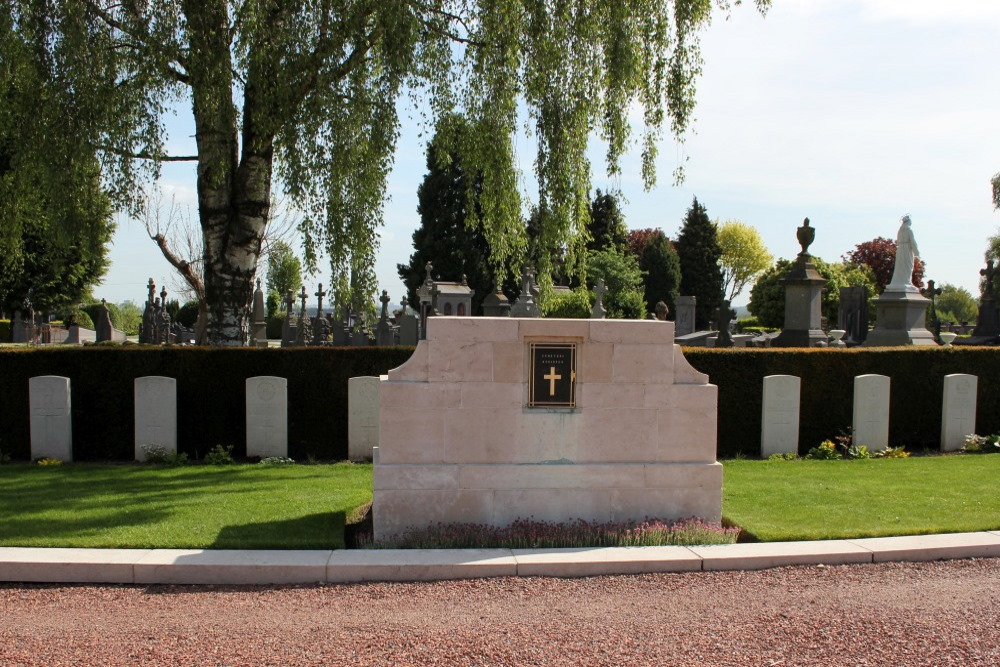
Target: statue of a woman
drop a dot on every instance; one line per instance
(906, 252)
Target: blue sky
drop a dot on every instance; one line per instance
(850, 112)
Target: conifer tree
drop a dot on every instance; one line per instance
(701, 275)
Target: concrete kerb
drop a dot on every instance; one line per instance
(180, 566)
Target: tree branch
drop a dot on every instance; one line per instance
(144, 155)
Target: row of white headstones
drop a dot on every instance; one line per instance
(156, 416)
(267, 414)
(870, 424)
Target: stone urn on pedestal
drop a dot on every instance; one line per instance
(900, 312)
(803, 298)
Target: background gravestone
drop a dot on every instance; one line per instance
(362, 417)
(155, 414)
(871, 411)
(685, 308)
(779, 428)
(267, 416)
(958, 410)
(852, 315)
(51, 422)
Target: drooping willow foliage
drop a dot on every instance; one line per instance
(307, 92)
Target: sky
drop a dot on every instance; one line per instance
(852, 113)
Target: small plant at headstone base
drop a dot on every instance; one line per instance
(48, 461)
(981, 444)
(786, 456)
(826, 451)
(276, 461)
(4, 457)
(857, 452)
(532, 534)
(158, 455)
(893, 453)
(220, 455)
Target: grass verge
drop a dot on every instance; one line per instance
(186, 507)
(817, 500)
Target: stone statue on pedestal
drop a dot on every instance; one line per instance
(906, 253)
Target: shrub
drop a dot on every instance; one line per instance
(276, 461)
(893, 453)
(6, 333)
(220, 455)
(275, 323)
(187, 314)
(78, 317)
(574, 305)
(786, 456)
(981, 444)
(47, 461)
(157, 454)
(827, 451)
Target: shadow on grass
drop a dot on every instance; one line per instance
(324, 530)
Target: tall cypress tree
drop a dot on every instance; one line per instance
(701, 275)
(444, 238)
(662, 267)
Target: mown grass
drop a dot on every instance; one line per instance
(143, 506)
(305, 506)
(816, 500)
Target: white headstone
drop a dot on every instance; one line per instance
(362, 417)
(51, 425)
(779, 422)
(267, 416)
(155, 414)
(958, 412)
(871, 411)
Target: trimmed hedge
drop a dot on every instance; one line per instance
(210, 394)
(917, 376)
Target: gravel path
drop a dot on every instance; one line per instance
(945, 613)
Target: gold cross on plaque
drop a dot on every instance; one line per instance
(552, 377)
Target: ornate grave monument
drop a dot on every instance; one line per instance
(803, 297)
(901, 310)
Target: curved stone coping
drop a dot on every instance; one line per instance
(205, 566)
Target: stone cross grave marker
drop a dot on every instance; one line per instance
(267, 416)
(871, 411)
(51, 422)
(155, 414)
(779, 422)
(362, 417)
(958, 410)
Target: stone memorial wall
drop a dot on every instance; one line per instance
(494, 419)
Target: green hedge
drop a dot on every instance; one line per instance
(917, 376)
(210, 394)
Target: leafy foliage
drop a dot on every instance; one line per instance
(130, 317)
(306, 94)
(744, 256)
(956, 304)
(701, 275)
(284, 273)
(879, 255)
(574, 305)
(623, 280)
(767, 298)
(606, 228)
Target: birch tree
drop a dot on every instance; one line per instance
(304, 94)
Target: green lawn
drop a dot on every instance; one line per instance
(304, 506)
(217, 507)
(816, 500)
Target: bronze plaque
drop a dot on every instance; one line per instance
(552, 382)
